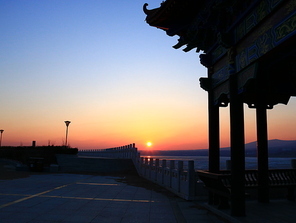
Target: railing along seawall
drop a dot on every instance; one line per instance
(127, 151)
(169, 174)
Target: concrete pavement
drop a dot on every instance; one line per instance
(61, 197)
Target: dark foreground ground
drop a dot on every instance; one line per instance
(34, 197)
(61, 197)
(9, 173)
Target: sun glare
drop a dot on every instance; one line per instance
(149, 144)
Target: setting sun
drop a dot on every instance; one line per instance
(149, 144)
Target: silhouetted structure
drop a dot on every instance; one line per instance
(249, 48)
(1, 132)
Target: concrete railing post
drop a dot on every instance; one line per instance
(172, 164)
(156, 169)
(151, 169)
(146, 167)
(142, 166)
(180, 170)
(191, 180)
(156, 162)
(172, 167)
(163, 167)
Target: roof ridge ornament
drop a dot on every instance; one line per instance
(149, 11)
(146, 11)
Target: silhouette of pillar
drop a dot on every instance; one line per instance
(214, 135)
(262, 154)
(237, 142)
(213, 118)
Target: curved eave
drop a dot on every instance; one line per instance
(158, 15)
(171, 12)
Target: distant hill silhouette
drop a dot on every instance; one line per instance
(277, 148)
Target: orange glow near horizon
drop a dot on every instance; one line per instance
(163, 131)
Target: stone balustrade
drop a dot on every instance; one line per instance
(126, 151)
(169, 174)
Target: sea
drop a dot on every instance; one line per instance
(201, 162)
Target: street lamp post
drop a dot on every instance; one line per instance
(67, 125)
(1, 131)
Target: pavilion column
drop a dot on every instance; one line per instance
(214, 133)
(214, 139)
(237, 143)
(262, 153)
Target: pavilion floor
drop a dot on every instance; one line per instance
(276, 211)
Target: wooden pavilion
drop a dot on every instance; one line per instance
(249, 49)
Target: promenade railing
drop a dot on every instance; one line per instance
(177, 176)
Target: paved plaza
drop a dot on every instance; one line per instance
(64, 197)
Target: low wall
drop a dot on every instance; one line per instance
(74, 164)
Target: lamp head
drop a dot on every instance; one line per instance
(67, 123)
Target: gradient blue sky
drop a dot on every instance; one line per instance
(118, 80)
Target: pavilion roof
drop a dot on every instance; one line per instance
(199, 23)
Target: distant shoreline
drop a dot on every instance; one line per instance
(276, 148)
(223, 153)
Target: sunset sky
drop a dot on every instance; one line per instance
(119, 81)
